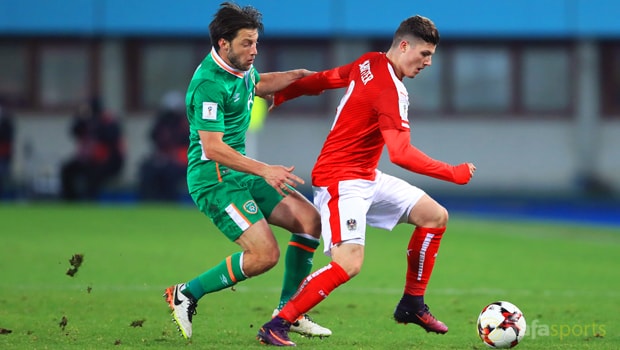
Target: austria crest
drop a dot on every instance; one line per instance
(352, 224)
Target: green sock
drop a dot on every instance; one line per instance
(225, 274)
(297, 265)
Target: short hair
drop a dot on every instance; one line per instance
(230, 18)
(419, 27)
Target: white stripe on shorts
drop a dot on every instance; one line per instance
(236, 216)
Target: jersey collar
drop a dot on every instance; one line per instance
(220, 62)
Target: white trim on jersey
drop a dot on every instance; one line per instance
(403, 98)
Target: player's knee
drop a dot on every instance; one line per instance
(350, 257)
(314, 225)
(442, 220)
(261, 262)
(270, 259)
(438, 219)
(352, 268)
(309, 223)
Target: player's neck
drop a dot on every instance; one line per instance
(392, 58)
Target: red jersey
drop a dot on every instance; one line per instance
(376, 101)
(354, 145)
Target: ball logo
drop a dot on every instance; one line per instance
(250, 207)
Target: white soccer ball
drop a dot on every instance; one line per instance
(501, 325)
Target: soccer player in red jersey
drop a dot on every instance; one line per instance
(350, 192)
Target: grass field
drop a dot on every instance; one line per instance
(565, 278)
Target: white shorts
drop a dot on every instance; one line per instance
(346, 208)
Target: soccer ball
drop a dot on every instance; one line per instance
(501, 325)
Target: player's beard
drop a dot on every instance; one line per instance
(235, 61)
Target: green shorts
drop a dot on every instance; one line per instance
(238, 202)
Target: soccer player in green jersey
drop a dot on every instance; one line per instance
(241, 196)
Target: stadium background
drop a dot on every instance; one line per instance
(527, 90)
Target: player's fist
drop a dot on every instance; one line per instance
(463, 173)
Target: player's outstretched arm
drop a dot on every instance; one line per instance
(217, 150)
(405, 155)
(271, 82)
(314, 84)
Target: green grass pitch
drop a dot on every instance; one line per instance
(564, 277)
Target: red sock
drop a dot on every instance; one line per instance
(421, 254)
(313, 290)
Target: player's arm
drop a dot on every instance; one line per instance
(271, 82)
(405, 155)
(217, 150)
(315, 84)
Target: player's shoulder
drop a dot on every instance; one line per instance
(209, 75)
(371, 56)
(373, 67)
(373, 61)
(207, 69)
(207, 89)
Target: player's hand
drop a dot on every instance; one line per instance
(270, 101)
(281, 177)
(463, 173)
(472, 168)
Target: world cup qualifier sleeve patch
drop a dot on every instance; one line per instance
(209, 110)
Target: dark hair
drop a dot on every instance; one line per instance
(230, 18)
(418, 27)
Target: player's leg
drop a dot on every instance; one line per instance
(259, 253)
(314, 289)
(397, 201)
(343, 208)
(236, 214)
(343, 221)
(297, 215)
(430, 219)
(347, 260)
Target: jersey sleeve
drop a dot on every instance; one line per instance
(314, 84)
(405, 155)
(208, 103)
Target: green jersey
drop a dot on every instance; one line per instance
(219, 98)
